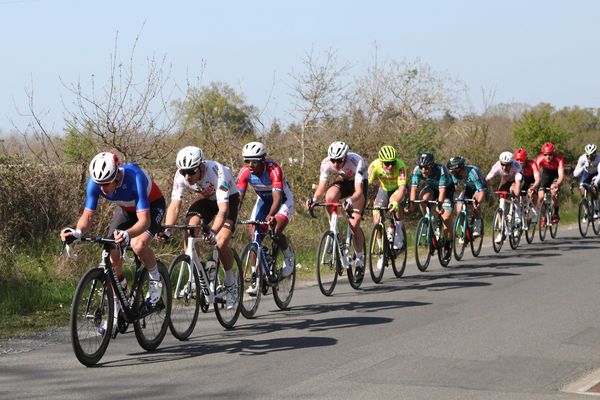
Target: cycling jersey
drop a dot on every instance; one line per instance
(134, 194)
(271, 179)
(216, 183)
(438, 178)
(529, 169)
(473, 180)
(513, 174)
(353, 169)
(388, 182)
(583, 165)
(557, 162)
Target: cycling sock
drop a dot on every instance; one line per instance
(229, 279)
(154, 274)
(287, 252)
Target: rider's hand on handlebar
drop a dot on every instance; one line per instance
(439, 208)
(270, 220)
(409, 206)
(310, 203)
(121, 237)
(164, 236)
(66, 232)
(394, 206)
(211, 237)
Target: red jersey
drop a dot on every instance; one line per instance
(530, 168)
(558, 162)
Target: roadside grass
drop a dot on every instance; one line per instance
(36, 287)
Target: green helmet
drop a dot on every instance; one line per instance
(387, 153)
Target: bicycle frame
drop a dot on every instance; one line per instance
(342, 249)
(265, 259)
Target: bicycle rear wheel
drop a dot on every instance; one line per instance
(460, 236)
(514, 237)
(284, 289)
(543, 220)
(528, 217)
(554, 226)
(92, 305)
(327, 263)
(153, 319)
(252, 276)
(584, 217)
(595, 220)
(399, 259)
(227, 316)
(185, 295)
(354, 279)
(498, 230)
(423, 244)
(376, 253)
(476, 241)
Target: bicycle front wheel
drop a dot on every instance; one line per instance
(185, 295)
(529, 218)
(423, 244)
(284, 289)
(377, 254)
(227, 312)
(252, 277)
(355, 279)
(498, 230)
(327, 263)
(545, 217)
(460, 236)
(153, 319)
(399, 257)
(514, 238)
(553, 227)
(595, 220)
(92, 306)
(476, 241)
(584, 218)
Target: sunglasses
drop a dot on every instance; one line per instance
(251, 161)
(548, 155)
(389, 163)
(190, 171)
(105, 184)
(336, 160)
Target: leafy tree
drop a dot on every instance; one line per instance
(537, 126)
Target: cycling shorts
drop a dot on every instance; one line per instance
(124, 220)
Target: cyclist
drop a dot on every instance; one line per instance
(531, 177)
(474, 184)
(135, 221)
(552, 167)
(217, 200)
(588, 166)
(351, 184)
(275, 202)
(438, 186)
(390, 171)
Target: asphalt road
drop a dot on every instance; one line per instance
(515, 325)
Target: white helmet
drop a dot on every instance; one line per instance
(506, 157)
(254, 151)
(189, 157)
(337, 150)
(590, 149)
(104, 167)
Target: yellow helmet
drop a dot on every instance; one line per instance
(387, 153)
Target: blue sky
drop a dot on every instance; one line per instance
(521, 51)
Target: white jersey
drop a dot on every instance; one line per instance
(353, 169)
(513, 174)
(216, 183)
(591, 167)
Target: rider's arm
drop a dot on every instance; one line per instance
(276, 204)
(219, 220)
(320, 191)
(142, 224)
(561, 171)
(580, 166)
(85, 220)
(173, 211)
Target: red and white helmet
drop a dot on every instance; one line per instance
(548, 148)
(521, 154)
(104, 167)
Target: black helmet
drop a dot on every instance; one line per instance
(426, 160)
(455, 163)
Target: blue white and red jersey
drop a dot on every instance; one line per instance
(272, 178)
(134, 194)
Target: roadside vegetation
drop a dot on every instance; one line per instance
(403, 103)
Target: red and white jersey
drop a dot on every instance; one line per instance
(353, 169)
(271, 179)
(557, 162)
(216, 183)
(513, 174)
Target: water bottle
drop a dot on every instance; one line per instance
(390, 234)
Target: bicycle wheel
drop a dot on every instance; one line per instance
(584, 217)
(354, 279)
(498, 230)
(543, 220)
(595, 220)
(227, 316)
(327, 263)
(528, 217)
(554, 226)
(284, 289)
(376, 253)
(185, 295)
(514, 238)
(153, 319)
(423, 244)
(460, 236)
(444, 256)
(399, 264)
(476, 241)
(252, 276)
(92, 305)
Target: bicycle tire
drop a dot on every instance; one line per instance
(185, 297)
(354, 280)
(444, 258)
(228, 316)
(423, 244)
(554, 226)
(531, 226)
(327, 263)
(543, 215)
(583, 214)
(92, 304)
(399, 271)
(460, 232)
(284, 289)
(377, 252)
(498, 229)
(250, 302)
(477, 241)
(514, 238)
(595, 221)
(153, 322)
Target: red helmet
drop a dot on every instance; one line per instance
(521, 154)
(547, 148)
